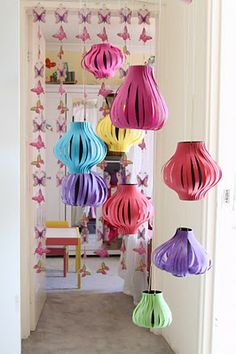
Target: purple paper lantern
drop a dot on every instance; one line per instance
(83, 189)
(102, 60)
(138, 103)
(182, 255)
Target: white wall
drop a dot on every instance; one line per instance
(179, 67)
(9, 186)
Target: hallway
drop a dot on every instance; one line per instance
(73, 323)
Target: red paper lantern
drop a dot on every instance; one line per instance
(191, 171)
(127, 209)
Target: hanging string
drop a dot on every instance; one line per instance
(193, 67)
(186, 67)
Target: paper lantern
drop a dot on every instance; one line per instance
(80, 148)
(118, 139)
(102, 60)
(182, 255)
(127, 209)
(152, 311)
(84, 190)
(138, 103)
(191, 171)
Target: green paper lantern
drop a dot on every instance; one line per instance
(152, 311)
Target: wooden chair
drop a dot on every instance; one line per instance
(59, 251)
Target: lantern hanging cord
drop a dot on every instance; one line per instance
(193, 66)
(186, 66)
(150, 278)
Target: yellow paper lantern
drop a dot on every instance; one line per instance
(118, 139)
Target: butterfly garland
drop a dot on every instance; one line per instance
(39, 127)
(103, 269)
(125, 15)
(144, 19)
(102, 252)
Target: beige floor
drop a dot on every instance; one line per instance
(79, 323)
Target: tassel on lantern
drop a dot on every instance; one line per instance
(84, 190)
(127, 209)
(117, 139)
(138, 103)
(182, 255)
(102, 60)
(80, 148)
(191, 171)
(152, 311)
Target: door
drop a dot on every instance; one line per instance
(225, 281)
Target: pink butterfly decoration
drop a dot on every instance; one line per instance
(39, 178)
(125, 15)
(141, 266)
(61, 71)
(102, 252)
(61, 89)
(142, 182)
(104, 16)
(39, 198)
(84, 234)
(103, 91)
(38, 162)
(123, 73)
(38, 69)
(62, 108)
(103, 269)
(141, 234)
(39, 126)
(123, 247)
(144, 16)
(61, 125)
(61, 15)
(142, 145)
(38, 89)
(123, 264)
(39, 267)
(38, 144)
(84, 271)
(39, 14)
(125, 34)
(60, 53)
(84, 36)
(61, 165)
(84, 16)
(40, 250)
(144, 37)
(40, 232)
(103, 35)
(141, 249)
(38, 107)
(59, 177)
(60, 35)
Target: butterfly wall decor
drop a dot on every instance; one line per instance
(38, 107)
(142, 182)
(84, 271)
(84, 15)
(142, 145)
(49, 64)
(141, 267)
(38, 162)
(62, 108)
(60, 34)
(103, 35)
(125, 15)
(40, 232)
(125, 34)
(144, 36)
(144, 16)
(39, 69)
(61, 71)
(141, 249)
(39, 125)
(102, 252)
(39, 14)
(84, 36)
(103, 269)
(39, 198)
(61, 15)
(39, 267)
(38, 144)
(40, 250)
(39, 178)
(104, 16)
(61, 125)
(38, 89)
(141, 234)
(59, 177)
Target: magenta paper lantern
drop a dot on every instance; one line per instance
(127, 209)
(138, 103)
(102, 60)
(191, 171)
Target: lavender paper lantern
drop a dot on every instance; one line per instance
(80, 189)
(182, 255)
(138, 103)
(102, 60)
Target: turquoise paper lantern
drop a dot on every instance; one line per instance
(80, 148)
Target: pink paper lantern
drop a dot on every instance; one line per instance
(127, 209)
(102, 60)
(138, 103)
(191, 171)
